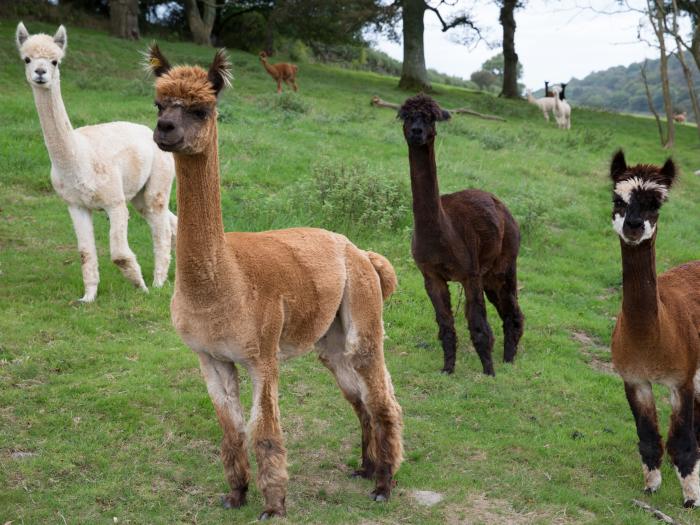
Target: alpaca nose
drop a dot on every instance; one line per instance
(635, 222)
(164, 126)
(40, 71)
(416, 131)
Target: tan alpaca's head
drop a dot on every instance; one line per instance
(638, 193)
(41, 54)
(186, 101)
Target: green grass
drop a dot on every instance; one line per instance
(111, 403)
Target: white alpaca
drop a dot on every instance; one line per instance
(546, 104)
(562, 111)
(100, 167)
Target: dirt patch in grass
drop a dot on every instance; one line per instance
(483, 510)
(597, 355)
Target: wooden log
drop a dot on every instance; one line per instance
(379, 103)
(655, 512)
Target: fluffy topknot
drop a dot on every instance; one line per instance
(424, 106)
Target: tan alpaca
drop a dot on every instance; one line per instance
(280, 72)
(100, 167)
(253, 299)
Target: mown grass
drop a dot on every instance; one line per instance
(110, 402)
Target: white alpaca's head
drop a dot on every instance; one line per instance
(42, 55)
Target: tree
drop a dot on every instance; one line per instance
(484, 79)
(510, 69)
(201, 23)
(124, 19)
(414, 75)
(656, 13)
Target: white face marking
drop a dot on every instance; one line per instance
(652, 478)
(619, 221)
(625, 188)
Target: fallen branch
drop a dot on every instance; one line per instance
(655, 512)
(379, 103)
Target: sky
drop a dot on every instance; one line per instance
(555, 40)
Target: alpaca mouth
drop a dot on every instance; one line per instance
(169, 146)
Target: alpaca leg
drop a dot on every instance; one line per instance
(333, 356)
(82, 223)
(121, 254)
(479, 329)
(172, 218)
(439, 295)
(266, 437)
(294, 84)
(156, 213)
(222, 384)
(682, 444)
(503, 294)
(279, 85)
(361, 316)
(641, 400)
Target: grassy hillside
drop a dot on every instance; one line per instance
(110, 405)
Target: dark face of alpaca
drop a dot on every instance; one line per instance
(186, 101)
(638, 193)
(419, 115)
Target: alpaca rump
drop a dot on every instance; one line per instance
(253, 299)
(100, 167)
(657, 335)
(468, 237)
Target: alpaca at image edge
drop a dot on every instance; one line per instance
(100, 167)
(251, 299)
(468, 237)
(657, 335)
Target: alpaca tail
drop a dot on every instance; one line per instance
(387, 275)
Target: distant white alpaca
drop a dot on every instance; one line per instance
(100, 167)
(546, 104)
(562, 110)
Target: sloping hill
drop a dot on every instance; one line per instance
(110, 406)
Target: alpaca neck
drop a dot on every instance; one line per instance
(269, 68)
(427, 209)
(58, 133)
(640, 298)
(530, 98)
(200, 244)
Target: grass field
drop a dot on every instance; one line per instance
(108, 404)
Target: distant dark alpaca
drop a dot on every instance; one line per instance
(469, 237)
(657, 335)
(547, 92)
(562, 96)
(280, 72)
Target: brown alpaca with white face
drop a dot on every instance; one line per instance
(280, 72)
(657, 335)
(469, 237)
(252, 299)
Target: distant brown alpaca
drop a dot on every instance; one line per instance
(469, 237)
(680, 117)
(280, 72)
(252, 299)
(657, 335)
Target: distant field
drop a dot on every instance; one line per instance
(110, 403)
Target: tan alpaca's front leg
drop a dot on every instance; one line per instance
(266, 437)
(82, 223)
(222, 385)
(120, 252)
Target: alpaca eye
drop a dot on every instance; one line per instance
(27, 60)
(54, 62)
(618, 201)
(200, 114)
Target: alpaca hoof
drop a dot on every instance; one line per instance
(649, 490)
(234, 500)
(379, 495)
(142, 287)
(267, 514)
(491, 373)
(158, 283)
(447, 371)
(689, 504)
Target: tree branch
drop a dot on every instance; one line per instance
(379, 103)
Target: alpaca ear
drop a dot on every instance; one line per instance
(156, 62)
(668, 172)
(445, 115)
(21, 35)
(61, 37)
(618, 166)
(220, 71)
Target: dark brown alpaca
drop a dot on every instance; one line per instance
(657, 335)
(281, 72)
(469, 237)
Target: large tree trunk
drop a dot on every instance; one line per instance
(124, 18)
(200, 25)
(687, 73)
(510, 57)
(414, 76)
(656, 16)
(695, 46)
